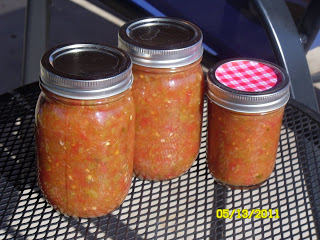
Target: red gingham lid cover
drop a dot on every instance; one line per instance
(248, 76)
(248, 85)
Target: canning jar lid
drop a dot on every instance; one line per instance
(161, 42)
(248, 85)
(86, 71)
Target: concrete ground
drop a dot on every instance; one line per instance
(313, 58)
(71, 22)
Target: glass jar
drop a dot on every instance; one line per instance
(84, 129)
(246, 100)
(168, 91)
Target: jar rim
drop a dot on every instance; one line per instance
(161, 42)
(86, 71)
(244, 101)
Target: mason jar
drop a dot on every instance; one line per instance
(246, 101)
(168, 91)
(84, 128)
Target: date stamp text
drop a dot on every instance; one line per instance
(245, 213)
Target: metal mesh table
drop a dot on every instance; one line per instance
(183, 208)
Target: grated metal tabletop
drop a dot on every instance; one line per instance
(188, 207)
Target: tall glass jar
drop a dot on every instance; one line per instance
(84, 128)
(168, 91)
(245, 109)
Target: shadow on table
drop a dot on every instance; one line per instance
(304, 122)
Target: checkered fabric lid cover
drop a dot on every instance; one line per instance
(247, 76)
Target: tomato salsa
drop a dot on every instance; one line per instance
(84, 147)
(85, 167)
(169, 107)
(246, 100)
(242, 148)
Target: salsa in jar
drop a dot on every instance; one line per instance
(84, 129)
(168, 91)
(246, 100)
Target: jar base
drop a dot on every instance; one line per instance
(234, 187)
(153, 179)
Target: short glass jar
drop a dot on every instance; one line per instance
(246, 100)
(168, 91)
(84, 128)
